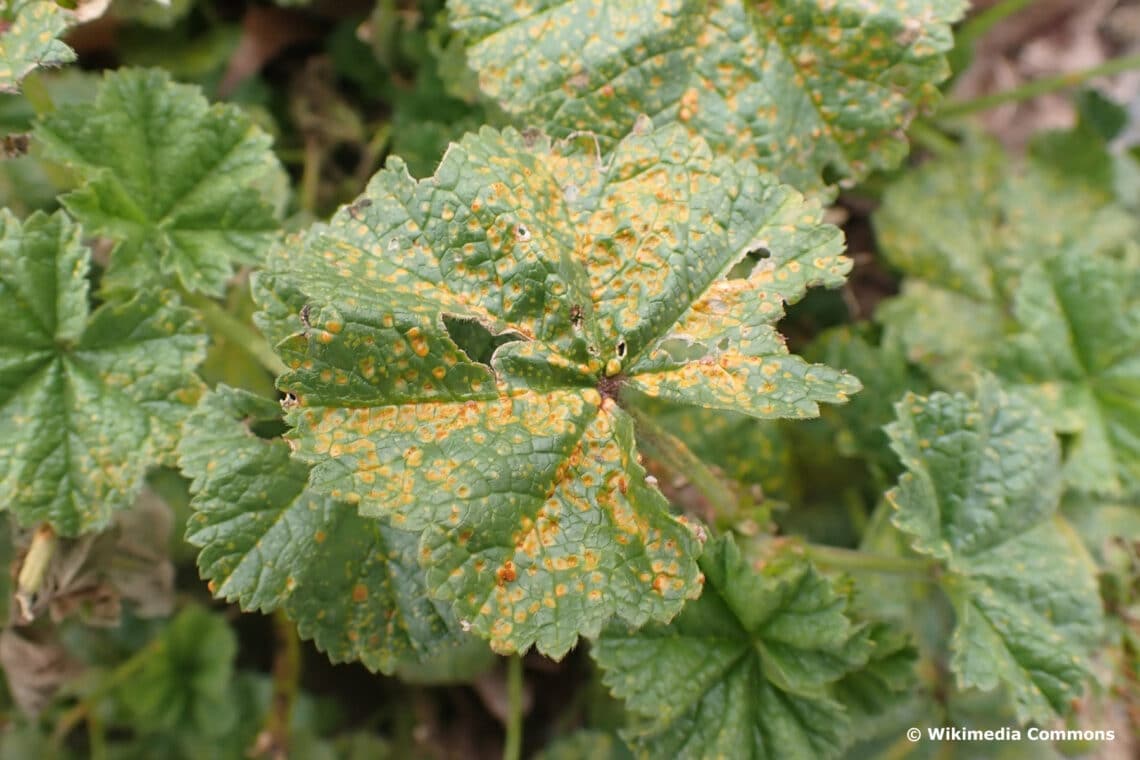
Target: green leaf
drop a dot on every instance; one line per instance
(586, 744)
(187, 190)
(89, 400)
(980, 494)
(886, 680)
(803, 87)
(963, 230)
(1077, 352)
(28, 31)
(743, 671)
(522, 474)
(183, 677)
(352, 584)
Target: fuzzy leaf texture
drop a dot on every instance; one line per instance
(980, 495)
(744, 671)
(352, 584)
(467, 342)
(1077, 352)
(88, 400)
(28, 31)
(803, 87)
(1076, 316)
(962, 230)
(188, 190)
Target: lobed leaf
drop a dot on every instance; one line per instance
(963, 230)
(28, 31)
(1077, 352)
(352, 584)
(746, 669)
(803, 87)
(186, 189)
(89, 400)
(980, 494)
(589, 281)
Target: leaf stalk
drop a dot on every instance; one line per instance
(512, 747)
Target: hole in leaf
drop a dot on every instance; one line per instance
(745, 266)
(683, 351)
(274, 428)
(474, 339)
(621, 349)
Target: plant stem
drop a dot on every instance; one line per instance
(512, 748)
(658, 443)
(1030, 90)
(931, 138)
(34, 569)
(976, 28)
(273, 740)
(124, 671)
(851, 560)
(241, 335)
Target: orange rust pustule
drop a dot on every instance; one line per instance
(506, 574)
(610, 387)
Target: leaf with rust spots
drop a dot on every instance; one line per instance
(88, 400)
(980, 496)
(352, 584)
(28, 40)
(1050, 307)
(748, 669)
(186, 189)
(461, 348)
(799, 86)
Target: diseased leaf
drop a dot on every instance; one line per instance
(803, 87)
(522, 474)
(88, 401)
(885, 681)
(1077, 352)
(351, 583)
(186, 189)
(980, 493)
(963, 230)
(28, 31)
(746, 670)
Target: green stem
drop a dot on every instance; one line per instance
(1043, 86)
(512, 748)
(854, 561)
(311, 176)
(980, 23)
(931, 138)
(115, 678)
(658, 443)
(241, 335)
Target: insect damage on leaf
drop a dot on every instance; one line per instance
(802, 86)
(575, 277)
(88, 400)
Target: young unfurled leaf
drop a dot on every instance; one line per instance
(1078, 352)
(982, 487)
(746, 670)
(28, 31)
(352, 583)
(802, 86)
(88, 401)
(186, 189)
(600, 277)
